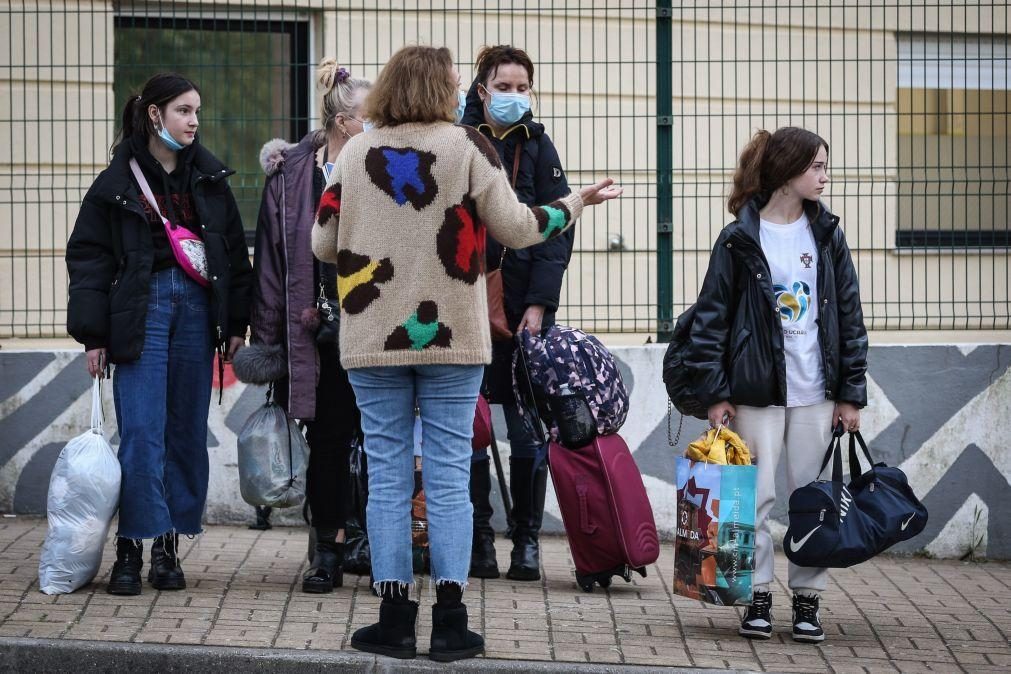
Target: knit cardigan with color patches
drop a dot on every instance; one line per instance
(404, 217)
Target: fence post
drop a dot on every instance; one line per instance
(664, 175)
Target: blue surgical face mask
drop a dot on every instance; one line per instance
(508, 109)
(170, 142)
(367, 126)
(461, 105)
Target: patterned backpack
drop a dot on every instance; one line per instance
(568, 361)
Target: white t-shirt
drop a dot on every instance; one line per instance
(793, 262)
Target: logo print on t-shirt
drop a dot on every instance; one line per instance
(806, 260)
(793, 302)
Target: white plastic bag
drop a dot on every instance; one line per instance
(83, 497)
(273, 458)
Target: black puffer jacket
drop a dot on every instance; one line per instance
(110, 255)
(530, 276)
(736, 347)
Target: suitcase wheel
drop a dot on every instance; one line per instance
(585, 583)
(605, 582)
(641, 570)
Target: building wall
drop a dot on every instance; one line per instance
(819, 65)
(937, 412)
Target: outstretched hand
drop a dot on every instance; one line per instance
(600, 192)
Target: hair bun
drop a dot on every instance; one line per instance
(328, 74)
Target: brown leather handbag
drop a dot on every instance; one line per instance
(493, 280)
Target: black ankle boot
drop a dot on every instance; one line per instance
(393, 635)
(527, 486)
(125, 576)
(451, 640)
(166, 573)
(482, 554)
(326, 571)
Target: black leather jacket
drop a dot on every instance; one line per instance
(736, 347)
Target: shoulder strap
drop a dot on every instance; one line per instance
(516, 171)
(516, 161)
(146, 189)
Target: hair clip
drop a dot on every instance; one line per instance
(342, 75)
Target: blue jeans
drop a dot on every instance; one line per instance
(522, 443)
(447, 395)
(162, 400)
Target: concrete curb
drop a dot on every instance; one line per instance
(84, 657)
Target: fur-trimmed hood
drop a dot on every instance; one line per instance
(278, 151)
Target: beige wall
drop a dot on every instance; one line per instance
(55, 107)
(833, 71)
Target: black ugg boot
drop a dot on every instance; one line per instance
(125, 576)
(482, 553)
(451, 640)
(527, 486)
(394, 634)
(326, 571)
(165, 572)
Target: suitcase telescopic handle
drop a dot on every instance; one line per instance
(522, 356)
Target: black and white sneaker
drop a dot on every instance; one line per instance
(806, 622)
(757, 621)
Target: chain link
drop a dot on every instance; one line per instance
(673, 442)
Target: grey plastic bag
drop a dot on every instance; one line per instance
(83, 497)
(273, 457)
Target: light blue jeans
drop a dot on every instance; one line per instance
(447, 396)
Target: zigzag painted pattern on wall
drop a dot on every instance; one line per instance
(949, 437)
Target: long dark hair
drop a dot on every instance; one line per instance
(490, 58)
(769, 161)
(160, 90)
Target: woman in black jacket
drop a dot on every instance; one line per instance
(133, 303)
(778, 344)
(498, 105)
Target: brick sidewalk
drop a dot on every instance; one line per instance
(891, 614)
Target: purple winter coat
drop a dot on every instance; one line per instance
(284, 291)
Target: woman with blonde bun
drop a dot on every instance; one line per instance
(292, 346)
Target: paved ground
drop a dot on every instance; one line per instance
(891, 614)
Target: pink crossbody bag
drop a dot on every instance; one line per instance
(187, 247)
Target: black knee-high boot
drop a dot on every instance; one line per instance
(527, 486)
(482, 556)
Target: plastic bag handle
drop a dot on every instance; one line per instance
(97, 410)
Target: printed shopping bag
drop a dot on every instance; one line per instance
(714, 545)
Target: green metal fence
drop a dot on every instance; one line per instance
(911, 95)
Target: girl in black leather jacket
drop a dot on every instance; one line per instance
(778, 345)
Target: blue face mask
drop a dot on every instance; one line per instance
(507, 109)
(170, 142)
(461, 105)
(367, 126)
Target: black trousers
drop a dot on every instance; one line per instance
(331, 436)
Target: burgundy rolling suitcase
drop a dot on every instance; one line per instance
(607, 515)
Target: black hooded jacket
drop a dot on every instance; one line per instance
(530, 276)
(112, 252)
(736, 349)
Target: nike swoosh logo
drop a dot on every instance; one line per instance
(796, 545)
(906, 523)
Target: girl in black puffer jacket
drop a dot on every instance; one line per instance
(133, 303)
(778, 344)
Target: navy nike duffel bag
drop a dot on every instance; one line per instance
(837, 525)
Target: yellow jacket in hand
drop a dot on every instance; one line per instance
(721, 446)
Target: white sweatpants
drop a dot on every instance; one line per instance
(805, 433)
